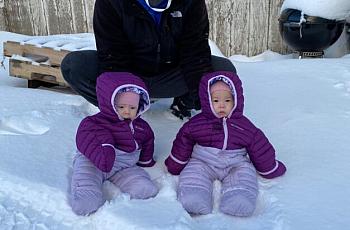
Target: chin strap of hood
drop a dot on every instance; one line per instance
(159, 9)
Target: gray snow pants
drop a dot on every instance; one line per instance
(239, 188)
(86, 186)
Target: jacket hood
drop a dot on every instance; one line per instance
(235, 84)
(109, 84)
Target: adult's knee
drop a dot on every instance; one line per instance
(222, 64)
(67, 65)
(79, 63)
(196, 200)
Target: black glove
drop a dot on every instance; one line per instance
(179, 109)
(181, 106)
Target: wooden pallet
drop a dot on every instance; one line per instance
(41, 65)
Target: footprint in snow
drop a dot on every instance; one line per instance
(345, 86)
(32, 123)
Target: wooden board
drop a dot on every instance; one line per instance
(27, 70)
(38, 58)
(18, 16)
(245, 26)
(2, 16)
(275, 41)
(54, 56)
(258, 26)
(43, 65)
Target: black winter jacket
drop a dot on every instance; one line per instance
(128, 39)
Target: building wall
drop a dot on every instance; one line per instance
(246, 27)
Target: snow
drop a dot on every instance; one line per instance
(330, 9)
(303, 106)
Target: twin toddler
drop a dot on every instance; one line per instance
(219, 143)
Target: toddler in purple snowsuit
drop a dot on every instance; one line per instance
(220, 143)
(113, 143)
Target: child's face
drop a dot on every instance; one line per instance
(222, 102)
(127, 111)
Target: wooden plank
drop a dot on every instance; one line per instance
(3, 23)
(38, 17)
(215, 26)
(18, 16)
(28, 71)
(212, 20)
(275, 41)
(79, 16)
(238, 31)
(245, 27)
(55, 56)
(59, 16)
(257, 23)
(228, 21)
(51, 13)
(89, 12)
(65, 19)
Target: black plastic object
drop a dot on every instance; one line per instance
(310, 34)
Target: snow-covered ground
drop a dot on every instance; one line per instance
(303, 106)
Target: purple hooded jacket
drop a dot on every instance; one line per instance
(99, 134)
(234, 132)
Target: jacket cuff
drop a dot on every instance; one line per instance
(279, 170)
(149, 163)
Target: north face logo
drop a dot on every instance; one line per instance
(176, 14)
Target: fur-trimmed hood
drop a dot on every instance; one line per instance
(109, 84)
(235, 84)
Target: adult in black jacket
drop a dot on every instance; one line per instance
(165, 42)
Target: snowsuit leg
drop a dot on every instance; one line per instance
(136, 182)
(86, 186)
(195, 189)
(239, 191)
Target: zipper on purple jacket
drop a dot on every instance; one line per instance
(133, 131)
(224, 123)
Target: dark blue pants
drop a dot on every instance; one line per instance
(80, 70)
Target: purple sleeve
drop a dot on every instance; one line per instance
(96, 143)
(146, 155)
(262, 155)
(181, 150)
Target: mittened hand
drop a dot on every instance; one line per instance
(107, 160)
(281, 169)
(173, 167)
